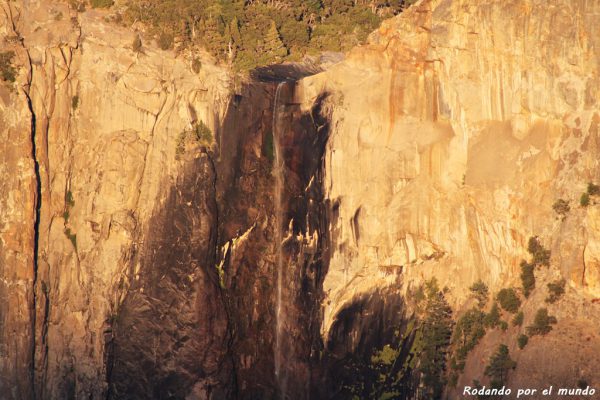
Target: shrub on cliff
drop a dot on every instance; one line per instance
(101, 3)
(540, 255)
(492, 319)
(481, 292)
(522, 341)
(527, 277)
(593, 189)
(509, 300)
(561, 207)
(584, 201)
(542, 324)
(556, 289)
(7, 70)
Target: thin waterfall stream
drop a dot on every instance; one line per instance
(278, 171)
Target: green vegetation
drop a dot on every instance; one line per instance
(251, 33)
(492, 319)
(481, 292)
(468, 331)
(592, 189)
(71, 236)
(584, 201)
(518, 319)
(509, 300)
(436, 333)
(527, 277)
(74, 102)
(540, 255)
(522, 341)
(542, 324)
(561, 207)
(7, 69)
(418, 349)
(199, 133)
(101, 3)
(69, 204)
(556, 289)
(499, 366)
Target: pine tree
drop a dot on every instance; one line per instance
(437, 330)
(499, 366)
(274, 48)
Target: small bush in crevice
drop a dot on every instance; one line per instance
(7, 69)
(584, 200)
(74, 102)
(556, 289)
(592, 189)
(71, 236)
(561, 207)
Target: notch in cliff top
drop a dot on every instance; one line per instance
(296, 70)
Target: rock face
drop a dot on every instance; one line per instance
(138, 257)
(454, 132)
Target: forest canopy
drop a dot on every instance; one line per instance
(252, 33)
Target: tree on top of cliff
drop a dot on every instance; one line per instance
(242, 32)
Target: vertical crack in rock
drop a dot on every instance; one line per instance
(36, 224)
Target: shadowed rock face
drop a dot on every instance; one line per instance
(170, 334)
(247, 227)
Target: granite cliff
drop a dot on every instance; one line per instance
(149, 207)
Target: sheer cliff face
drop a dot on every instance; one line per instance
(454, 132)
(106, 128)
(138, 259)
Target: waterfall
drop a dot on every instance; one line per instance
(278, 171)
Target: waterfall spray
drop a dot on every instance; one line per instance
(278, 172)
